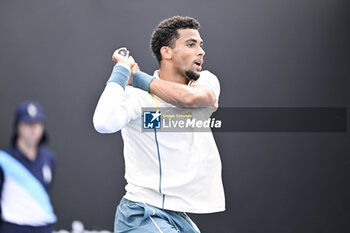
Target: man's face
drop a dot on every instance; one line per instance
(187, 54)
(30, 133)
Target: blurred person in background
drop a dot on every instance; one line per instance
(26, 173)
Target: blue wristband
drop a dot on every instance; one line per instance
(120, 75)
(142, 80)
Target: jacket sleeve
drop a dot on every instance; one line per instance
(110, 116)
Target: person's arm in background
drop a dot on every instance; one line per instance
(110, 116)
(1, 183)
(52, 164)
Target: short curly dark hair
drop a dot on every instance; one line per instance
(166, 33)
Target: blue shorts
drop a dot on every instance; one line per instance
(134, 217)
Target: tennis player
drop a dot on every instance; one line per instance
(168, 174)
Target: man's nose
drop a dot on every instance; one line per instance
(201, 51)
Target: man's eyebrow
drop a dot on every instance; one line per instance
(194, 40)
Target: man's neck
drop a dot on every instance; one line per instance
(170, 74)
(27, 150)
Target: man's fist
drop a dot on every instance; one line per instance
(118, 57)
(134, 69)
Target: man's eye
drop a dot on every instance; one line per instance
(191, 45)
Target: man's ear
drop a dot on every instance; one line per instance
(166, 52)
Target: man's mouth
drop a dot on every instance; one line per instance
(199, 63)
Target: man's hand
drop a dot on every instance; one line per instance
(135, 68)
(127, 61)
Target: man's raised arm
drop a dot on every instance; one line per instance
(203, 93)
(110, 116)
